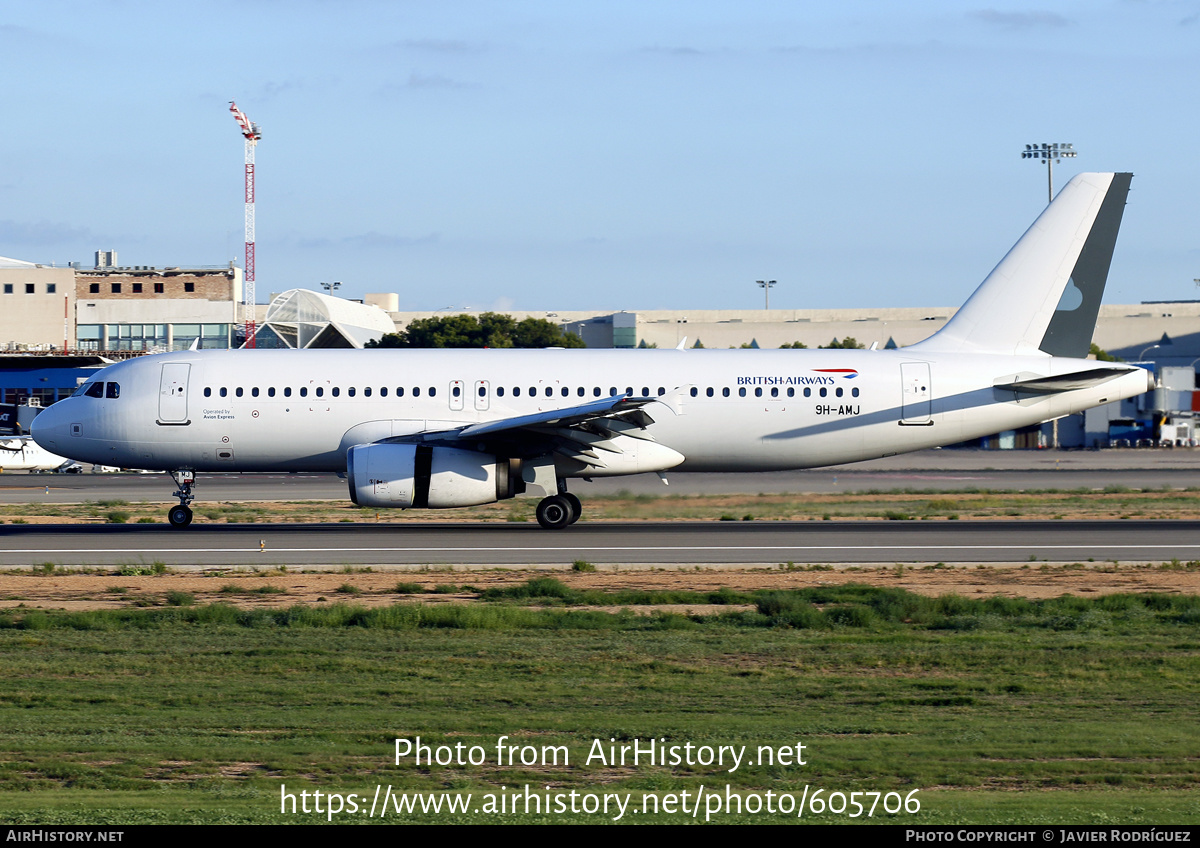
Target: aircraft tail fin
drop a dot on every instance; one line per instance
(1045, 294)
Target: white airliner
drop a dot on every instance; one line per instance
(20, 453)
(449, 428)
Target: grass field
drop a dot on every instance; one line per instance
(1068, 710)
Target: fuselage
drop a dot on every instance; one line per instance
(723, 410)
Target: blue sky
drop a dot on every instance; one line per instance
(607, 155)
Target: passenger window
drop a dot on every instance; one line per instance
(742, 391)
(791, 392)
(708, 392)
(725, 392)
(383, 391)
(807, 391)
(254, 392)
(516, 391)
(612, 391)
(854, 392)
(287, 391)
(549, 391)
(399, 391)
(95, 390)
(482, 391)
(208, 391)
(579, 391)
(320, 391)
(271, 392)
(758, 392)
(645, 391)
(432, 391)
(350, 391)
(695, 391)
(416, 391)
(774, 392)
(366, 391)
(824, 391)
(238, 391)
(224, 392)
(456, 391)
(661, 391)
(335, 391)
(304, 391)
(500, 391)
(565, 391)
(839, 391)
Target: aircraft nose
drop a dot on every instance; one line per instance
(50, 427)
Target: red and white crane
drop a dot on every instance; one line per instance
(252, 134)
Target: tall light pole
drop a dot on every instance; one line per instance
(331, 287)
(766, 286)
(1049, 154)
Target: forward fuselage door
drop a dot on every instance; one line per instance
(172, 393)
(482, 391)
(457, 390)
(917, 394)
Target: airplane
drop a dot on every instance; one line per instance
(452, 428)
(21, 453)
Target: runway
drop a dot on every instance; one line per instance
(933, 470)
(676, 544)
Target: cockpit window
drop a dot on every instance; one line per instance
(112, 390)
(95, 390)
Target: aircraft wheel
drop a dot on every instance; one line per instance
(554, 512)
(576, 506)
(179, 516)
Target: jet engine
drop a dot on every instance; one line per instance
(425, 476)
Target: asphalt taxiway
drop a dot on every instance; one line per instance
(674, 544)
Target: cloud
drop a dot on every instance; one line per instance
(370, 240)
(434, 45)
(1190, 20)
(41, 233)
(675, 51)
(1020, 20)
(423, 82)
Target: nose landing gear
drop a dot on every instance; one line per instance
(181, 516)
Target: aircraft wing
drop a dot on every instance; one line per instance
(585, 432)
(1063, 382)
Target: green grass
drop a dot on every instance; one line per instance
(1070, 710)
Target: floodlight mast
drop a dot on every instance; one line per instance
(1049, 154)
(766, 286)
(252, 134)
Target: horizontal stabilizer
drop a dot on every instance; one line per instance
(1063, 382)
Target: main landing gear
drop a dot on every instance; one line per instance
(181, 516)
(559, 511)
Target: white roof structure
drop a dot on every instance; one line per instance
(305, 319)
(5, 262)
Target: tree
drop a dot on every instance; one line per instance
(1101, 354)
(794, 346)
(490, 329)
(848, 343)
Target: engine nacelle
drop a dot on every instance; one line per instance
(403, 475)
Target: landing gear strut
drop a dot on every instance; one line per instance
(181, 516)
(559, 511)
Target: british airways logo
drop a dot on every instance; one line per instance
(826, 377)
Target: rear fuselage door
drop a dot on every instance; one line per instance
(918, 394)
(173, 393)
